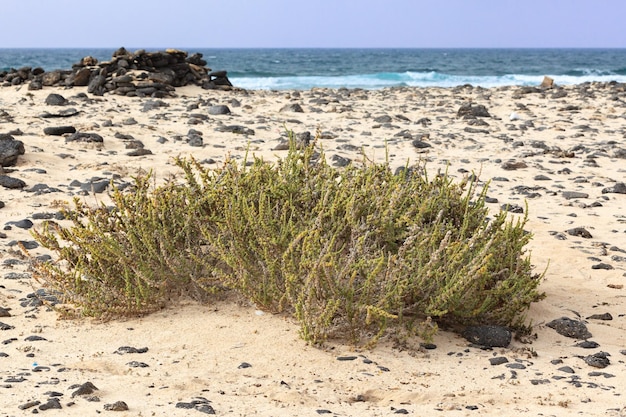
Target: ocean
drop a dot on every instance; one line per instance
(279, 69)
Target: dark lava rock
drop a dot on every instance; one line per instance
(567, 369)
(116, 406)
(489, 336)
(498, 360)
(598, 360)
(10, 149)
(53, 403)
(619, 188)
(513, 165)
(420, 144)
(347, 358)
(28, 405)
(340, 161)
(587, 344)
(219, 109)
(383, 119)
(129, 349)
(139, 152)
(603, 316)
(516, 365)
(4, 326)
(199, 404)
(10, 182)
(95, 186)
(63, 113)
(569, 195)
(295, 107)
(135, 364)
(244, 365)
(512, 208)
(35, 338)
(579, 231)
(84, 389)
(240, 130)
(602, 265)
(472, 110)
(22, 224)
(570, 328)
(55, 100)
(84, 137)
(58, 130)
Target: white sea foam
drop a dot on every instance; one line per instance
(412, 79)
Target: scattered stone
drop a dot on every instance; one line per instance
(602, 265)
(11, 183)
(28, 405)
(85, 389)
(136, 364)
(240, 130)
(116, 406)
(55, 100)
(498, 360)
(58, 130)
(294, 107)
(4, 326)
(347, 358)
(587, 344)
(567, 369)
(35, 338)
(580, 232)
(10, 149)
(570, 328)
(84, 137)
(63, 113)
(569, 195)
(472, 111)
(420, 144)
(489, 336)
(513, 165)
(53, 403)
(603, 316)
(129, 349)
(598, 360)
(619, 188)
(219, 110)
(244, 365)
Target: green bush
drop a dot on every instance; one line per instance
(349, 252)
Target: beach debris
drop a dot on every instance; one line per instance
(547, 82)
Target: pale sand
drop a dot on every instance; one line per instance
(195, 350)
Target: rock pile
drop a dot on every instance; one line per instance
(141, 73)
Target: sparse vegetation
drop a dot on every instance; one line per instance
(349, 252)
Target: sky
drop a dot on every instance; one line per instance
(314, 23)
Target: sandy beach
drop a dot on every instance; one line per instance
(558, 153)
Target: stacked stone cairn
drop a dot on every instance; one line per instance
(137, 74)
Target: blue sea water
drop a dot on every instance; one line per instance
(374, 68)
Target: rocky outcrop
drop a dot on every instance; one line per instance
(134, 74)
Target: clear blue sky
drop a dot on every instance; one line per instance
(313, 23)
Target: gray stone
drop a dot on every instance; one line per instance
(10, 149)
(219, 110)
